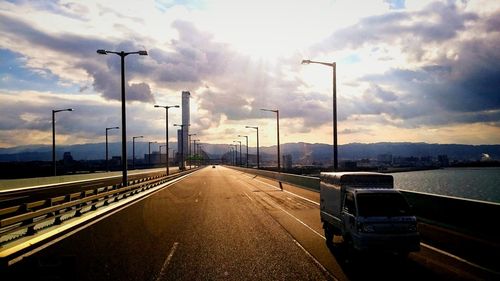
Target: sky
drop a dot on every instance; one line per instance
(406, 71)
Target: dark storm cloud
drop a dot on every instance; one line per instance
(468, 84)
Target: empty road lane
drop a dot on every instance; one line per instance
(208, 226)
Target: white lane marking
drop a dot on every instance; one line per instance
(248, 196)
(167, 261)
(315, 260)
(421, 243)
(458, 258)
(296, 195)
(297, 219)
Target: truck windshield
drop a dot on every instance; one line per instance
(382, 205)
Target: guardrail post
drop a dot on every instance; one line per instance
(31, 226)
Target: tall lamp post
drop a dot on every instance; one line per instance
(195, 150)
(277, 131)
(256, 128)
(166, 128)
(133, 150)
(190, 154)
(231, 155)
(240, 150)
(107, 129)
(149, 153)
(122, 55)
(54, 136)
(182, 144)
(234, 151)
(333, 65)
(246, 137)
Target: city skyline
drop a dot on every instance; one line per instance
(416, 71)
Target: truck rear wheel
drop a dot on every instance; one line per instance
(328, 233)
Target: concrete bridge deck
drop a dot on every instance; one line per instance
(220, 223)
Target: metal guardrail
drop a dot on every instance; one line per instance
(61, 203)
(470, 216)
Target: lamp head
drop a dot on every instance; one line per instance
(306, 62)
(143, 53)
(157, 105)
(102, 52)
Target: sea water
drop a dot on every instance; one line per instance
(471, 183)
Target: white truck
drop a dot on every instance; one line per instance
(368, 212)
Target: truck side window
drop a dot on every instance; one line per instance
(349, 205)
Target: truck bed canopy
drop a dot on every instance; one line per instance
(358, 179)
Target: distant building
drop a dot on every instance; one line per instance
(153, 158)
(385, 159)
(116, 161)
(287, 161)
(67, 157)
(443, 160)
(426, 161)
(350, 165)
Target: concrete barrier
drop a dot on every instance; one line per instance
(477, 218)
(300, 181)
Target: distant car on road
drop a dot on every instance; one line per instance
(213, 166)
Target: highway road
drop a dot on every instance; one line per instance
(221, 224)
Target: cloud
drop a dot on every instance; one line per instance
(436, 23)
(80, 53)
(451, 76)
(438, 66)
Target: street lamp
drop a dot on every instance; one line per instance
(247, 146)
(190, 155)
(230, 155)
(149, 153)
(182, 144)
(122, 55)
(277, 131)
(54, 136)
(234, 151)
(333, 65)
(240, 150)
(257, 128)
(166, 129)
(195, 150)
(107, 129)
(133, 150)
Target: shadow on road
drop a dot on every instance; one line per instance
(379, 266)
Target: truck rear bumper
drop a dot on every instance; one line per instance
(383, 242)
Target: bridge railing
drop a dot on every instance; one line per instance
(477, 218)
(66, 201)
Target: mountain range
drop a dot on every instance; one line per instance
(304, 153)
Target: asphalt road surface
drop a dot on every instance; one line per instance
(220, 224)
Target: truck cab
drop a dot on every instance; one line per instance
(368, 212)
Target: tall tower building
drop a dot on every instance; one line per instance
(183, 145)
